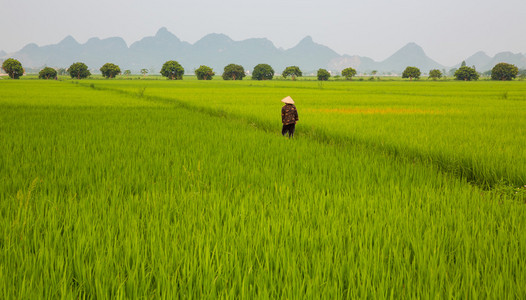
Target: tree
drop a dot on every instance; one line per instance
(47, 73)
(349, 73)
(144, 72)
(522, 74)
(293, 71)
(204, 73)
(411, 72)
(126, 73)
(79, 70)
(504, 71)
(233, 72)
(263, 72)
(13, 68)
(435, 74)
(62, 71)
(172, 70)
(323, 75)
(110, 70)
(466, 73)
(463, 64)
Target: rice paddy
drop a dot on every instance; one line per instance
(387, 110)
(161, 189)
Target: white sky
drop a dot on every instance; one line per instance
(448, 30)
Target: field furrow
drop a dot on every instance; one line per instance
(471, 131)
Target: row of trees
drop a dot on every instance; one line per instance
(237, 72)
(174, 71)
(501, 71)
(463, 73)
(77, 70)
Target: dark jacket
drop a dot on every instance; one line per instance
(289, 114)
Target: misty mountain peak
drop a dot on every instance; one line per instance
(112, 42)
(505, 54)
(216, 37)
(481, 54)
(480, 60)
(307, 40)
(93, 40)
(30, 46)
(306, 43)
(412, 48)
(214, 41)
(261, 42)
(410, 55)
(69, 40)
(411, 51)
(163, 33)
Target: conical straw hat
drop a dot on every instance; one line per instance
(287, 100)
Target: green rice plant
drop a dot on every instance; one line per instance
(190, 191)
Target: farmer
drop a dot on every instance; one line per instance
(289, 116)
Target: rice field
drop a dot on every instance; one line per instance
(441, 122)
(160, 189)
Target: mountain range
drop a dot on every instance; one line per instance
(484, 62)
(218, 50)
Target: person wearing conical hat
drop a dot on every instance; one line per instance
(289, 117)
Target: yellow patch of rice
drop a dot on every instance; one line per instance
(370, 110)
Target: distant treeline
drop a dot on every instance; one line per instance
(173, 70)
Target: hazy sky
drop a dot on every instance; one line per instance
(448, 30)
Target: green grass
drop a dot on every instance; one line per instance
(117, 189)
